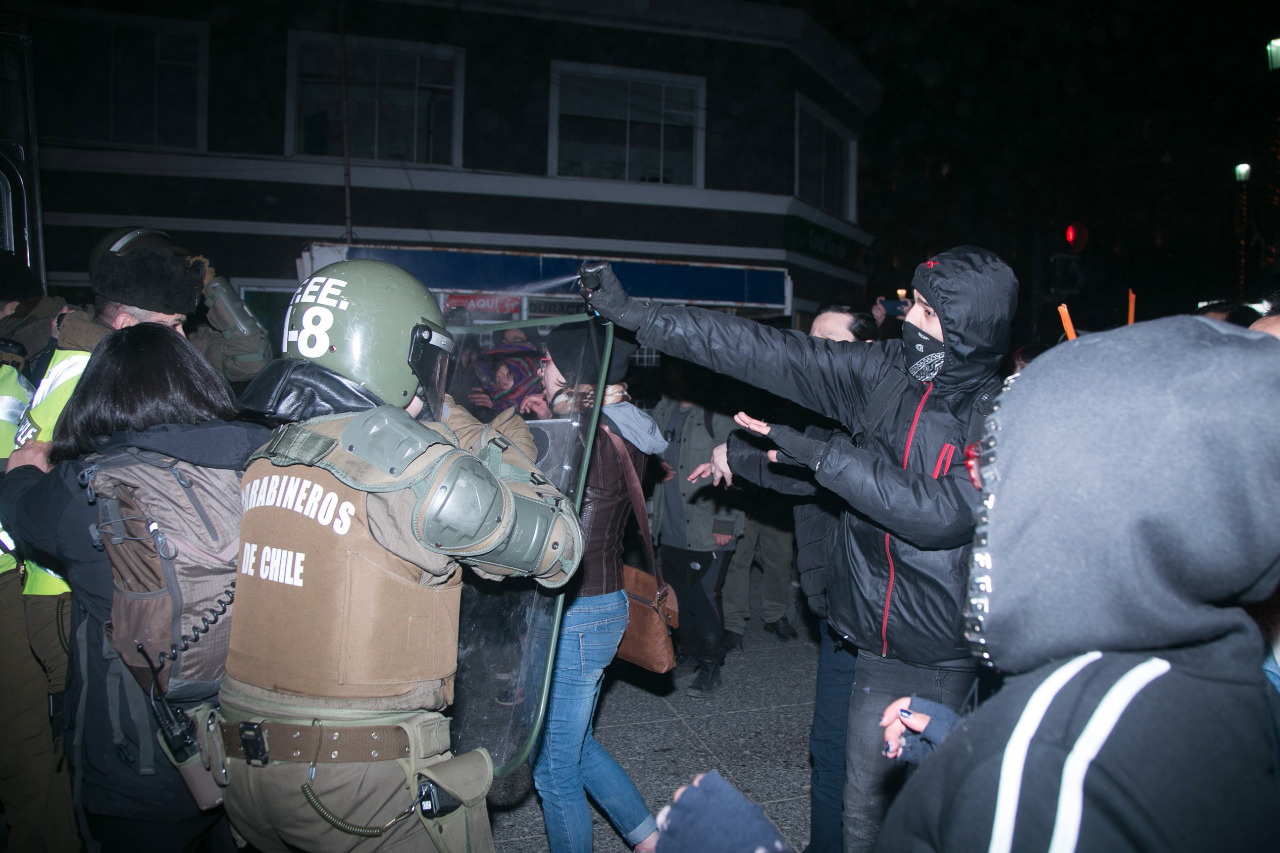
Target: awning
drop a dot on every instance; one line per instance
(455, 270)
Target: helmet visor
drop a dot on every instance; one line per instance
(429, 360)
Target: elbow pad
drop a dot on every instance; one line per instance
(227, 309)
(498, 515)
(498, 518)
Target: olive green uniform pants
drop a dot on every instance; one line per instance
(776, 549)
(34, 784)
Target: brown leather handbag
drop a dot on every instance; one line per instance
(651, 604)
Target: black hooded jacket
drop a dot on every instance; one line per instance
(1131, 499)
(904, 536)
(49, 514)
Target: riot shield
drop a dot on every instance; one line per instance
(507, 629)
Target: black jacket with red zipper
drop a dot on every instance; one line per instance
(906, 532)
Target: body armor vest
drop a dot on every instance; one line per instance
(324, 612)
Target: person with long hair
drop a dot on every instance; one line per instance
(145, 386)
(571, 764)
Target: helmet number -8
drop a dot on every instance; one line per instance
(313, 339)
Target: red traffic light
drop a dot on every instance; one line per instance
(1077, 237)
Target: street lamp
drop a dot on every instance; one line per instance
(1242, 225)
(1273, 55)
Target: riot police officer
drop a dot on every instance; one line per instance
(357, 516)
(222, 327)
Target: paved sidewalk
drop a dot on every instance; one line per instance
(754, 730)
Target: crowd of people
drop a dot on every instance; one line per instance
(1038, 590)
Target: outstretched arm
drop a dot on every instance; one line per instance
(825, 376)
(748, 456)
(927, 512)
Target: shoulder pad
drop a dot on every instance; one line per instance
(389, 439)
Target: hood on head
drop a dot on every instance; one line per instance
(1130, 495)
(975, 294)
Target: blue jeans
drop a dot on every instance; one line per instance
(871, 780)
(571, 763)
(826, 741)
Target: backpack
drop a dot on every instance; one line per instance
(172, 532)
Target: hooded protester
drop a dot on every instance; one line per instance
(507, 375)
(1107, 583)
(903, 537)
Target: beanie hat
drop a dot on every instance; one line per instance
(162, 281)
(17, 283)
(576, 351)
(521, 361)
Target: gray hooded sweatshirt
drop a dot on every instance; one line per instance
(1131, 507)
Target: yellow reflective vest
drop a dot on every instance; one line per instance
(15, 396)
(51, 397)
(37, 422)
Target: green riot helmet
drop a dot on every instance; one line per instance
(374, 324)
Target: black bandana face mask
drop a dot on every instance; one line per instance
(924, 353)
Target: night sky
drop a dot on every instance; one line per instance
(1003, 121)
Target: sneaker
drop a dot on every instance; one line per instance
(732, 641)
(707, 680)
(781, 629)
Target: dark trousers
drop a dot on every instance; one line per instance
(827, 741)
(208, 832)
(871, 780)
(697, 578)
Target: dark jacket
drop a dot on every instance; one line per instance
(50, 515)
(904, 537)
(816, 514)
(707, 511)
(1108, 585)
(606, 509)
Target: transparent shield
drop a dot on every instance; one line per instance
(507, 629)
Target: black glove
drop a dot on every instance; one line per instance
(604, 294)
(797, 447)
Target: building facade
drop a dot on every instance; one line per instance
(715, 132)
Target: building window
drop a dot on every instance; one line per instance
(620, 124)
(826, 161)
(128, 82)
(404, 100)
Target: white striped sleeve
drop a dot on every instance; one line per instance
(1015, 752)
(1066, 828)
